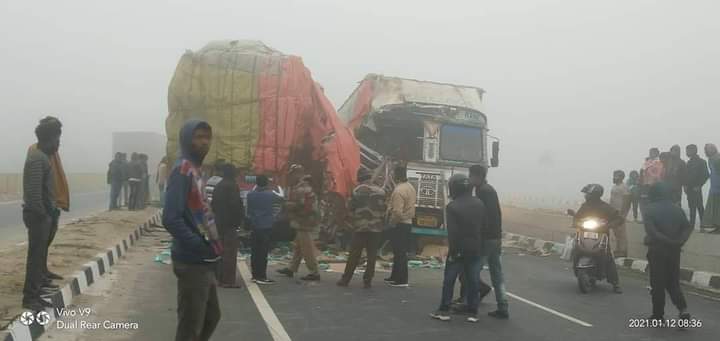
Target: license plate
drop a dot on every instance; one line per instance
(591, 235)
(427, 221)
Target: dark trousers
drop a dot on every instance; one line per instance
(260, 245)
(634, 203)
(370, 241)
(135, 193)
(227, 274)
(664, 264)
(36, 265)
(54, 225)
(126, 193)
(470, 267)
(400, 240)
(115, 189)
(695, 204)
(198, 307)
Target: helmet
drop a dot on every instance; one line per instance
(593, 190)
(459, 184)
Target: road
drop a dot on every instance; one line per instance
(545, 305)
(12, 228)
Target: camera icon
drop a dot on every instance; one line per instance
(42, 318)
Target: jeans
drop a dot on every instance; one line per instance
(664, 264)
(198, 309)
(492, 253)
(38, 228)
(400, 240)
(370, 241)
(260, 245)
(470, 266)
(695, 204)
(115, 188)
(135, 192)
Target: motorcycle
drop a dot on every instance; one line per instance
(590, 250)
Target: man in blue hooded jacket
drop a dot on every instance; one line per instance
(195, 248)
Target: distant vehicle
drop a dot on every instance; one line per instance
(435, 129)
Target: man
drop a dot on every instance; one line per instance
(304, 214)
(126, 184)
(38, 210)
(667, 229)
(466, 220)
(261, 213)
(595, 207)
(675, 173)
(229, 213)
(195, 249)
(633, 183)
(620, 199)
(367, 212)
(711, 218)
(491, 239)
(115, 180)
(401, 212)
(652, 172)
(161, 176)
(145, 196)
(135, 179)
(697, 176)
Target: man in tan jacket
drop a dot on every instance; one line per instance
(401, 212)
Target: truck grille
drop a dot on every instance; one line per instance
(430, 189)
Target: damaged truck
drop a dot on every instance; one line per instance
(434, 129)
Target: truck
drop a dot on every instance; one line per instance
(434, 129)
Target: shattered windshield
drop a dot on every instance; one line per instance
(458, 143)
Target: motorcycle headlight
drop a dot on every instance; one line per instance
(590, 224)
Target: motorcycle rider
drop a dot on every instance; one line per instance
(595, 207)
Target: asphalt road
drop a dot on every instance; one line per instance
(12, 228)
(545, 305)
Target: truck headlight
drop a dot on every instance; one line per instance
(590, 224)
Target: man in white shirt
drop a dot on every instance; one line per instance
(620, 200)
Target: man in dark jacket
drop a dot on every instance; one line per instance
(667, 229)
(675, 173)
(195, 248)
(262, 215)
(38, 208)
(697, 176)
(466, 221)
(135, 178)
(229, 214)
(115, 180)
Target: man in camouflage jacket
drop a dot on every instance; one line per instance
(367, 212)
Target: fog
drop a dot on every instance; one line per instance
(575, 89)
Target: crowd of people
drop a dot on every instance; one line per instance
(130, 181)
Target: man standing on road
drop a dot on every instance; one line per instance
(675, 173)
(161, 178)
(401, 212)
(135, 179)
(697, 176)
(229, 214)
(126, 184)
(466, 221)
(195, 251)
(304, 214)
(39, 208)
(115, 180)
(711, 218)
(620, 198)
(652, 173)
(261, 213)
(367, 212)
(667, 229)
(491, 238)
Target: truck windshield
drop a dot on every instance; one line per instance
(459, 143)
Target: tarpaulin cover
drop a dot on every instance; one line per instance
(263, 106)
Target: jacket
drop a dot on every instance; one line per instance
(367, 208)
(186, 209)
(38, 182)
(302, 207)
(466, 222)
(115, 172)
(136, 170)
(61, 190)
(227, 205)
(489, 197)
(600, 210)
(676, 173)
(665, 222)
(261, 208)
(402, 204)
(697, 173)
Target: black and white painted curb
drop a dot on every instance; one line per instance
(30, 326)
(699, 279)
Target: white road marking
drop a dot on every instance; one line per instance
(273, 323)
(551, 311)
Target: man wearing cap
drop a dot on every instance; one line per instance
(367, 211)
(304, 215)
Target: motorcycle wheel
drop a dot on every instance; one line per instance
(584, 282)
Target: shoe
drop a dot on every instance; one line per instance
(472, 318)
(485, 293)
(617, 289)
(264, 281)
(500, 315)
(440, 315)
(311, 277)
(398, 285)
(343, 283)
(684, 316)
(367, 285)
(52, 275)
(286, 272)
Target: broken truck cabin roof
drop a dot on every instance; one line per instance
(378, 94)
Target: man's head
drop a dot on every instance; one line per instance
(400, 174)
(618, 177)
(363, 175)
(710, 150)
(262, 180)
(134, 157)
(459, 185)
(691, 150)
(195, 140)
(634, 175)
(593, 192)
(654, 153)
(478, 174)
(228, 171)
(48, 134)
(675, 151)
(118, 156)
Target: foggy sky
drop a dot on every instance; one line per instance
(575, 89)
